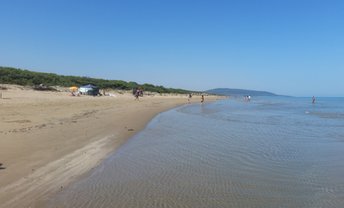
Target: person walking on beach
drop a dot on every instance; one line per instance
(202, 99)
(137, 94)
(189, 98)
(313, 100)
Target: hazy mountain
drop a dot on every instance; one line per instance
(239, 92)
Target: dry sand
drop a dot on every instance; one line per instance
(49, 139)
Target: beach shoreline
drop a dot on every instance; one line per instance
(50, 139)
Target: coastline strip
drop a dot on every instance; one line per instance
(43, 135)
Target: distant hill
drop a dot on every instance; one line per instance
(239, 92)
(9, 75)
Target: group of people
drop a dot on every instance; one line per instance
(190, 96)
(247, 98)
(138, 92)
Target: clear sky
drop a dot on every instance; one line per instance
(293, 47)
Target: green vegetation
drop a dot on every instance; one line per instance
(10, 75)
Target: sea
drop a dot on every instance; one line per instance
(269, 152)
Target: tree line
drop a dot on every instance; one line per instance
(9, 75)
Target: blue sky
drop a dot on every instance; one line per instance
(293, 47)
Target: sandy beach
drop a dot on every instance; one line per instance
(49, 139)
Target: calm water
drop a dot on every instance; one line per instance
(271, 152)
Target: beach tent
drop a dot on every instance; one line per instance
(89, 90)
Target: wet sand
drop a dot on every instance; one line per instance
(49, 139)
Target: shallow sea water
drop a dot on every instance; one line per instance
(270, 152)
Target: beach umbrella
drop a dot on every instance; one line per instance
(73, 88)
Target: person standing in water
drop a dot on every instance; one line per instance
(313, 100)
(202, 99)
